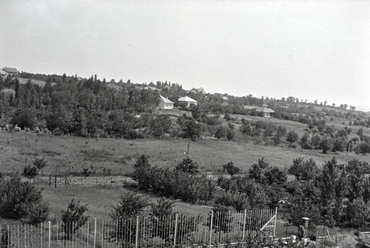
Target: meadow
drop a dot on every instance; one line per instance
(109, 156)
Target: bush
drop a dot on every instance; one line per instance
(74, 217)
(236, 200)
(188, 166)
(231, 168)
(124, 212)
(22, 200)
(176, 184)
(362, 148)
(30, 171)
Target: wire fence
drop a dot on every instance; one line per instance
(142, 231)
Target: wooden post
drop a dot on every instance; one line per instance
(175, 234)
(55, 181)
(49, 238)
(244, 223)
(210, 230)
(137, 232)
(94, 233)
(276, 209)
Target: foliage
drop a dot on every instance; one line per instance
(30, 171)
(292, 136)
(326, 144)
(191, 129)
(231, 168)
(236, 200)
(74, 217)
(163, 207)
(22, 200)
(230, 133)
(187, 165)
(175, 183)
(40, 163)
(363, 148)
(129, 206)
(222, 219)
(304, 170)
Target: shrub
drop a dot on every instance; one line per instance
(237, 200)
(163, 207)
(74, 217)
(21, 200)
(130, 205)
(30, 171)
(292, 136)
(363, 148)
(40, 163)
(230, 133)
(188, 166)
(231, 168)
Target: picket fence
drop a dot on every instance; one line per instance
(177, 230)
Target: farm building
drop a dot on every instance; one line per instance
(165, 103)
(188, 100)
(266, 112)
(263, 111)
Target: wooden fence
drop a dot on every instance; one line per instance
(213, 228)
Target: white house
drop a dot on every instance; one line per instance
(188, 100)
(266, 112)
(165, 103)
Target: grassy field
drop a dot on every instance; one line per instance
(72, 154)
(68, 154)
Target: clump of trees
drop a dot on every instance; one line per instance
(21, 200)
(179, 183)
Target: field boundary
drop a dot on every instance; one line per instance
(208, 229)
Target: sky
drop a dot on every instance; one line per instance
(314, 50)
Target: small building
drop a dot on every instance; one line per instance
(188, 100)
(262, 111)
(165, 103)
(10, 71)
(265, 112)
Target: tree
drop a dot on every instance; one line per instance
(30, 171)
(292, 136)
(128, 207)
(326, 144)
(230, 133)
(304, 170)
(231, 168)
(192, 130)
(163, 207)
(130, 204)
(187, 165)
(257, 170)
(360, 133)
(329, 182)
(74, 217)
(20, 200)
(220, 132)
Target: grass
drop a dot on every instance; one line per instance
(71, 154)
(68, 154)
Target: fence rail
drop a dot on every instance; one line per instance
(141, 231)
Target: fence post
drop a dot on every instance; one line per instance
(210, 230)
(137, 232)
(8, 236)
(95, 233)
(244, 223)
(175, 234)
(49, 238)
(276, 209)
(1, 235)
